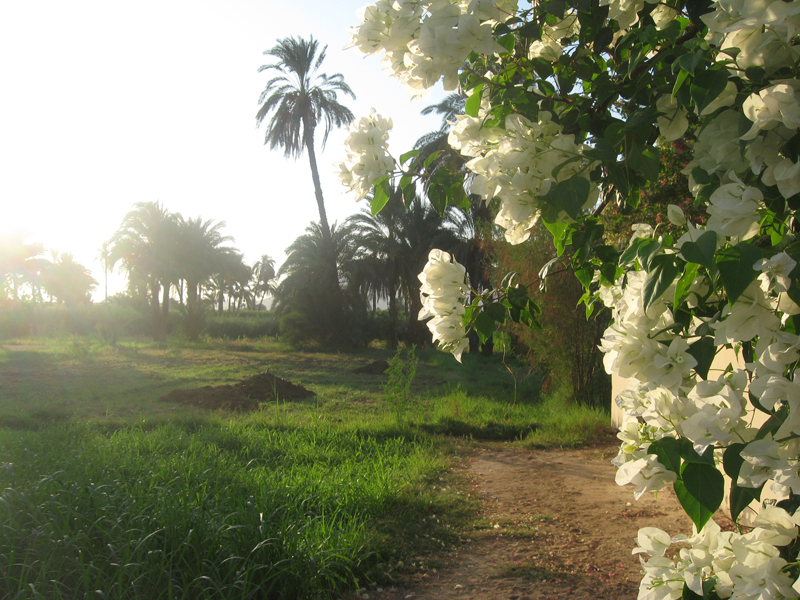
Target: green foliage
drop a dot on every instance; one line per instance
(242, 325)
(140, 499)
(564, 350)
(401, 372)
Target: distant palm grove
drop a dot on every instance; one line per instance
(344, 284)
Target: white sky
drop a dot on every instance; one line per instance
(109, 103)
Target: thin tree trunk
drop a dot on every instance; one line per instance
(165, 300)
(392, 311)
(308, 134)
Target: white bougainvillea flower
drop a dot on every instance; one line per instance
(749, 317)
(726, 98)
(549, 46)
(775, 272)
(661, 581)
(761, 459)
(673, 123)
(734, 210)
(653, 541)
(647, 474)
(368, 156)
(773, 106)
(443, 295)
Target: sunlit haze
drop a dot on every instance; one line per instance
(106, 104)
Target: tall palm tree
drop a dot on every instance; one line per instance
(299, 99)
(104, 256)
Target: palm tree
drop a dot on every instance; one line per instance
(298, 98)
(397, 240)
(436, 141)
(379, 237)
(104, 256)
(19, 262)
(68, 281)
(263, 274)
(145, 243)
(200, 253)
(299, 290)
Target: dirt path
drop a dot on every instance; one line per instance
(557, 527)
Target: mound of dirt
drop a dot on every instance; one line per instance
(243, 396)
(376, 367)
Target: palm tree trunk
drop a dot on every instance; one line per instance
(392, 311)
(165, 299)
(308, 134)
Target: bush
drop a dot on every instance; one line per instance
(245, 324)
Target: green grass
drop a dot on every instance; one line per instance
(108, 488)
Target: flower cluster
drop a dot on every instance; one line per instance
(443, 295)
(727, 281)
(368, 156)
(424, 41)
(519, 164)
(745, 565)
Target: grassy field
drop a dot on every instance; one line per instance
(111, 492)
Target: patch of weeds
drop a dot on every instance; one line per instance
(401, 372)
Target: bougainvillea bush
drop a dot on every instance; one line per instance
(569, 106)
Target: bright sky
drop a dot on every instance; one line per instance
(109, 103)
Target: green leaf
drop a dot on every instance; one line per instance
(560, 232)
(608, 273)
(631, 252)
(702, 250)
(707, 86)
(530, 30)
(380, 196)
(585, 275)
(689, 454)
(740, 497)
(735, 265)
(679, 82)
(496, 311)
(507, 41)
(474, 101)
(755, 74)
(669, 453)
(484, 326)
(432, 157)
(685, 282)
(703, 351)
(602, 150)
(569, 195)
(700, 490)
(645, 162)
(603, 38)
(644, 117)
(647, 250)
(689, 62)
(406, 155)
(437, 194)
(659, 279)
(701, 176)
(518, 296)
